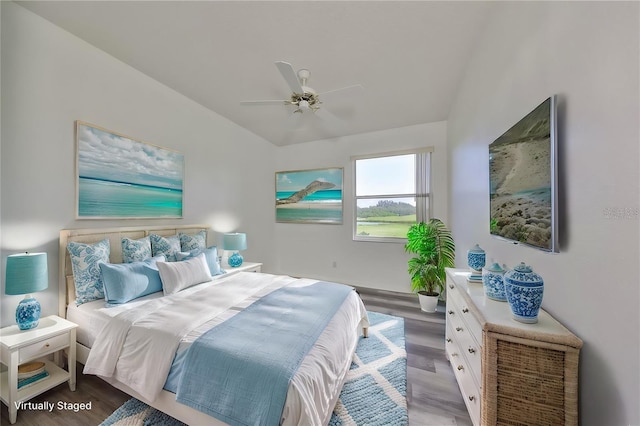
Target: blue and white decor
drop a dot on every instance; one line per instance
(374, 392)
(85, 263)
(476, 259)
(26, 273)
(197, 241)
(235, 241)
(28, 313)
(375, 388)
(167, 246)
(493, 282)
(524, 289)
(136, 250)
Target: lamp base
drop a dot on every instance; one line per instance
(235, 260)
(28, 313)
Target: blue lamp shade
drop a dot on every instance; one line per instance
(27, 273)
(235, 241)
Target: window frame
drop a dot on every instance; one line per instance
(422, 190)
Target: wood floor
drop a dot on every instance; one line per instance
(432, 392)
(433, 396)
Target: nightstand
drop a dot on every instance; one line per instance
(52, 335)
(245, 267)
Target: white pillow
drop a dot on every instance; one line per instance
(177, 276)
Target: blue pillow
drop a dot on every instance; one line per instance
(210, 255)
(127, 281)
(136, 250)
(167, 246)
(85, 259)
(193, 242)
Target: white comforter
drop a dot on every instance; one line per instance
(137, 347)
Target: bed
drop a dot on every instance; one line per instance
(227, 299)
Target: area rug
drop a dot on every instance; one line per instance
(374, 392)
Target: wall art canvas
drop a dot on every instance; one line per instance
(309, 196)
(119, 177)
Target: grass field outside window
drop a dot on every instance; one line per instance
(392, 193)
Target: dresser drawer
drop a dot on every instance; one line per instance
(464, 376)
(471, 351)
(43, 347)
(463, 312)
(467, 345)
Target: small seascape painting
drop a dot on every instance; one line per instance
(119, 177)
(309, 196)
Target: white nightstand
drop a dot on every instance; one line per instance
(52, 335)
(245, 267)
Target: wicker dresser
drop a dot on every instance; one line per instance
(509, 372)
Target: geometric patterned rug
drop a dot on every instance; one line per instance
(374, 392)
(375, 389)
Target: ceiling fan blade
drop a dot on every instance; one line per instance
(354, 90)
(295, 121)
(266, 102)
(331, 122)
(290, 76)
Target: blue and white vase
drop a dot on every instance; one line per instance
(524, 289)
(493, 282)
(476, 258)
(28, 313)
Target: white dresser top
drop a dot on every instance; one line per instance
(496, 316)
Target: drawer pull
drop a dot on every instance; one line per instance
(472, 398)
(449, 340)
(471, 350)
(451, 286)
(46, 345)
(451, 312)
(458, 328)
(460, 367)
(465, 310)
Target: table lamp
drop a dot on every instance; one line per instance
(26, 273)
(235, 241)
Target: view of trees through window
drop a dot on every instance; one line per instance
(387, 218)
(391, 195)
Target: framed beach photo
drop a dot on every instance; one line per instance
(309, 196)
(120, 177)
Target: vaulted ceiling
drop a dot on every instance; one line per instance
(408, 56)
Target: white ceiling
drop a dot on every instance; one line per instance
(409, 56)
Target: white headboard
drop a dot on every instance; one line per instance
(66, 285)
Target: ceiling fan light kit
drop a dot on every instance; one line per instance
(303, 97)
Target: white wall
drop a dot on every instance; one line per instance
(50, 78)
(310, 250)
(588, 54)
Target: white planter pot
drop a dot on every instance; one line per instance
(428, 303)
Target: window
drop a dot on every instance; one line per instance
(391, 194)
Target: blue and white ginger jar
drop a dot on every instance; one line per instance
(493, 282)
(476, 258)
(524, 289)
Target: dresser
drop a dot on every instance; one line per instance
(509, 372)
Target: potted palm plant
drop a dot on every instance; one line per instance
(435, 250)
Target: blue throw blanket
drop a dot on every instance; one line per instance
(239, 371)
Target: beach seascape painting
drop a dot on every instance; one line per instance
(119, 177)
(309, 196)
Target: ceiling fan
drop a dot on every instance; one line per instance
(303, 97)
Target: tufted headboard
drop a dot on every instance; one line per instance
(66, 285)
